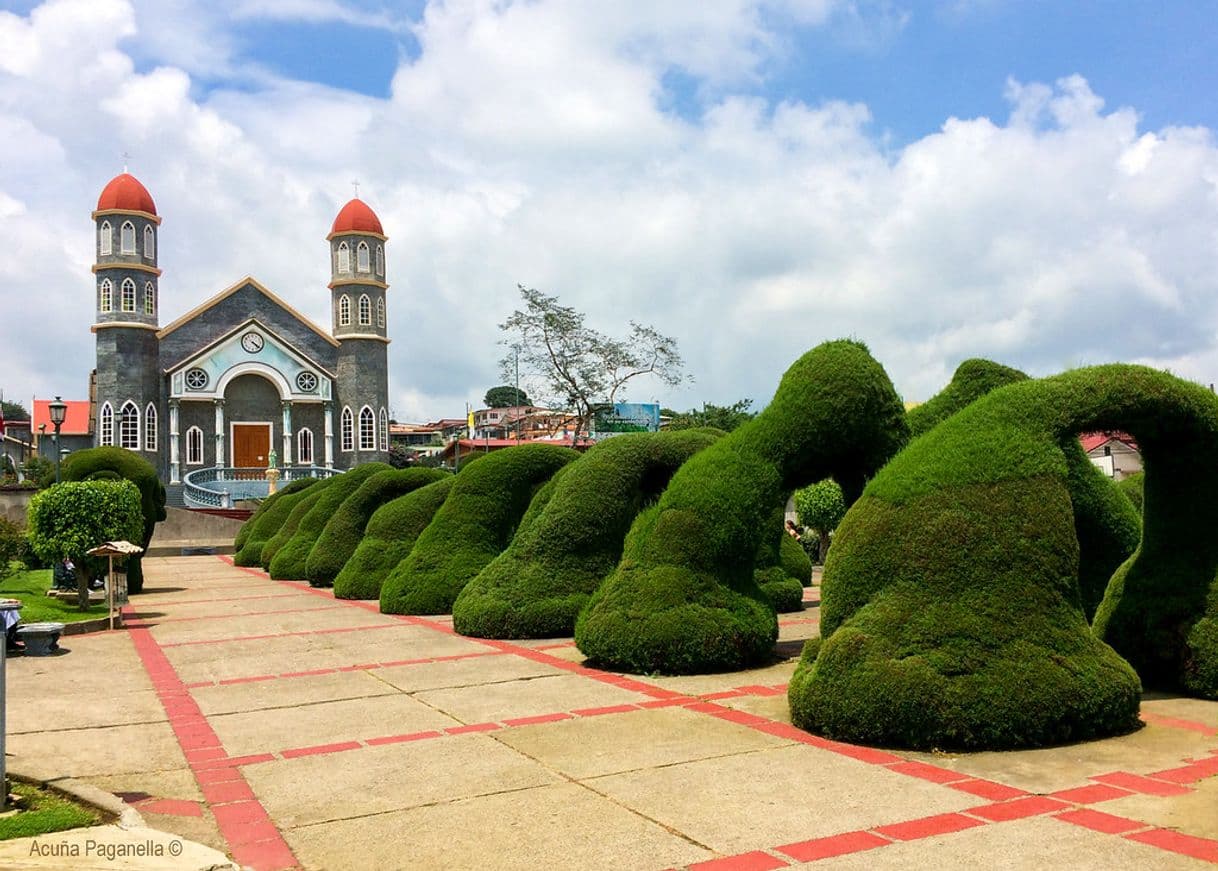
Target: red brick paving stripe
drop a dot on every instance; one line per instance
(208, 754)
(539, 718)
(157, 621)
(664, 703)
(252, 759)
(1137, 783)
(232, 681)
(754, 861)
(222, 793)
(282, 635)
(1204, 849)
(939, 824)
(723, 694)
(1177, 723)
(1098, 821)
(1096, 792)
(987, 789)
(175, 807)
(473, 727)
(1188, 773)
(1032, 806)
(923, 771)
(834, 845)
(759, 690)
(218, 775)
(742, 718)
(269, 855)
(240, 812)
(605, 709)
(398, 739)
(318, 749)
(222, 599)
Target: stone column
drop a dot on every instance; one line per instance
(219, 433)
(328, 414)
(287, 433)
(175, 463)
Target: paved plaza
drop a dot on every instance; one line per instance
(289, 729)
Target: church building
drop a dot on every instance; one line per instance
(242, 374)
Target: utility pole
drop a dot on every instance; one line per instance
(516, 357)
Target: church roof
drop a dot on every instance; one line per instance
(225, 294)
(357, 217)
(125, 193)
(75, 418)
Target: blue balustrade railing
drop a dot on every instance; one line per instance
(221, 486)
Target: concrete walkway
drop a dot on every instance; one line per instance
(289, 729)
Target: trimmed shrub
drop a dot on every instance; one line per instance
(972, 380)
(107, 462)
(951, 610)
(784, 589)
(683, 598)
(821, 507)
(300, 504)
(474, 525)
(1132, 488)
(388, 538)
(536, 588)
(345, 528)
(794, 560)
(258, 528)
(289, 562)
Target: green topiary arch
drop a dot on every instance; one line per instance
(683, 598)
(951, 610)
(536, 588)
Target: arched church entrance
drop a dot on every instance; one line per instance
(252, 404)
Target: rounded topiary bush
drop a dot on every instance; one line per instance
(345, 528)
(301, 504)
(795, 560)
(265, 522)
(1131, 486)
(683, 598)
(390, 534)
(290, 560)
(783, 587)
(972, 380)
(951, 610)
(536, 588)
(105, 462)
(474, 525)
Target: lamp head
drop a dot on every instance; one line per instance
(59, 410)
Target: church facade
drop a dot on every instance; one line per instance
(243, 374)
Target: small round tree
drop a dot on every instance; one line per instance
(821, 508)
(70, 519)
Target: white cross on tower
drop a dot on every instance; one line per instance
(126, 157)
(355, 184)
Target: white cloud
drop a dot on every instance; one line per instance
(530, 143)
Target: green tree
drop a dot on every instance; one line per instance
(70, 519)
(13, 410)
(821, 508)
(40, 471)
(579, 366)
(724, 417)
(505, 396)
(12, 544)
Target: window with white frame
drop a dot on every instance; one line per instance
(367, 429)
(361, 257)
(304, 447)
(129, 426)
(346, 430)
(344, 257)
(149, 243)
(384, 430)
(365, 311)
(150, 427)
(380, 313)
(344, 311)
(149, 299)
(380, 260)
(105, 238)
(126, 235)
(128, 295)
(106, 424)
(194, 446)
(105, 296)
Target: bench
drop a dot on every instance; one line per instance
(41, 639)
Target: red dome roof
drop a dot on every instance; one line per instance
(125, 192)
(356, 217)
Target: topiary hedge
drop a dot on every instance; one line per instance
(1131, 486)
(972, 380)
(536, 588)
(795, 560)
(784, 589)
(301, 504)
(474, 525)
(388, 538)
(264, 522)
(105, 462)
(951, 610)
(683, 598)
(345, 528)
(290, 560)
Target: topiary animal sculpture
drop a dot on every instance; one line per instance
(475, 524)
(536, 588)
(683, 598)
(951, 612)
(302, 505)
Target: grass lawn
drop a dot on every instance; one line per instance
(30, 586)
(44, 811)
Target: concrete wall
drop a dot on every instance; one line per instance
(13, 504)
(181, 525)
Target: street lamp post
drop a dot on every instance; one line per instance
(58, 409)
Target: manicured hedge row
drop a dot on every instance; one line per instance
(784, 588)
(345, 528)
(951, 610)
(536, 588)
(290, 561)
(474, 525)
(303, 503)
(683, 598)
(265, 522)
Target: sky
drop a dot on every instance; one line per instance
(1031, 182)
